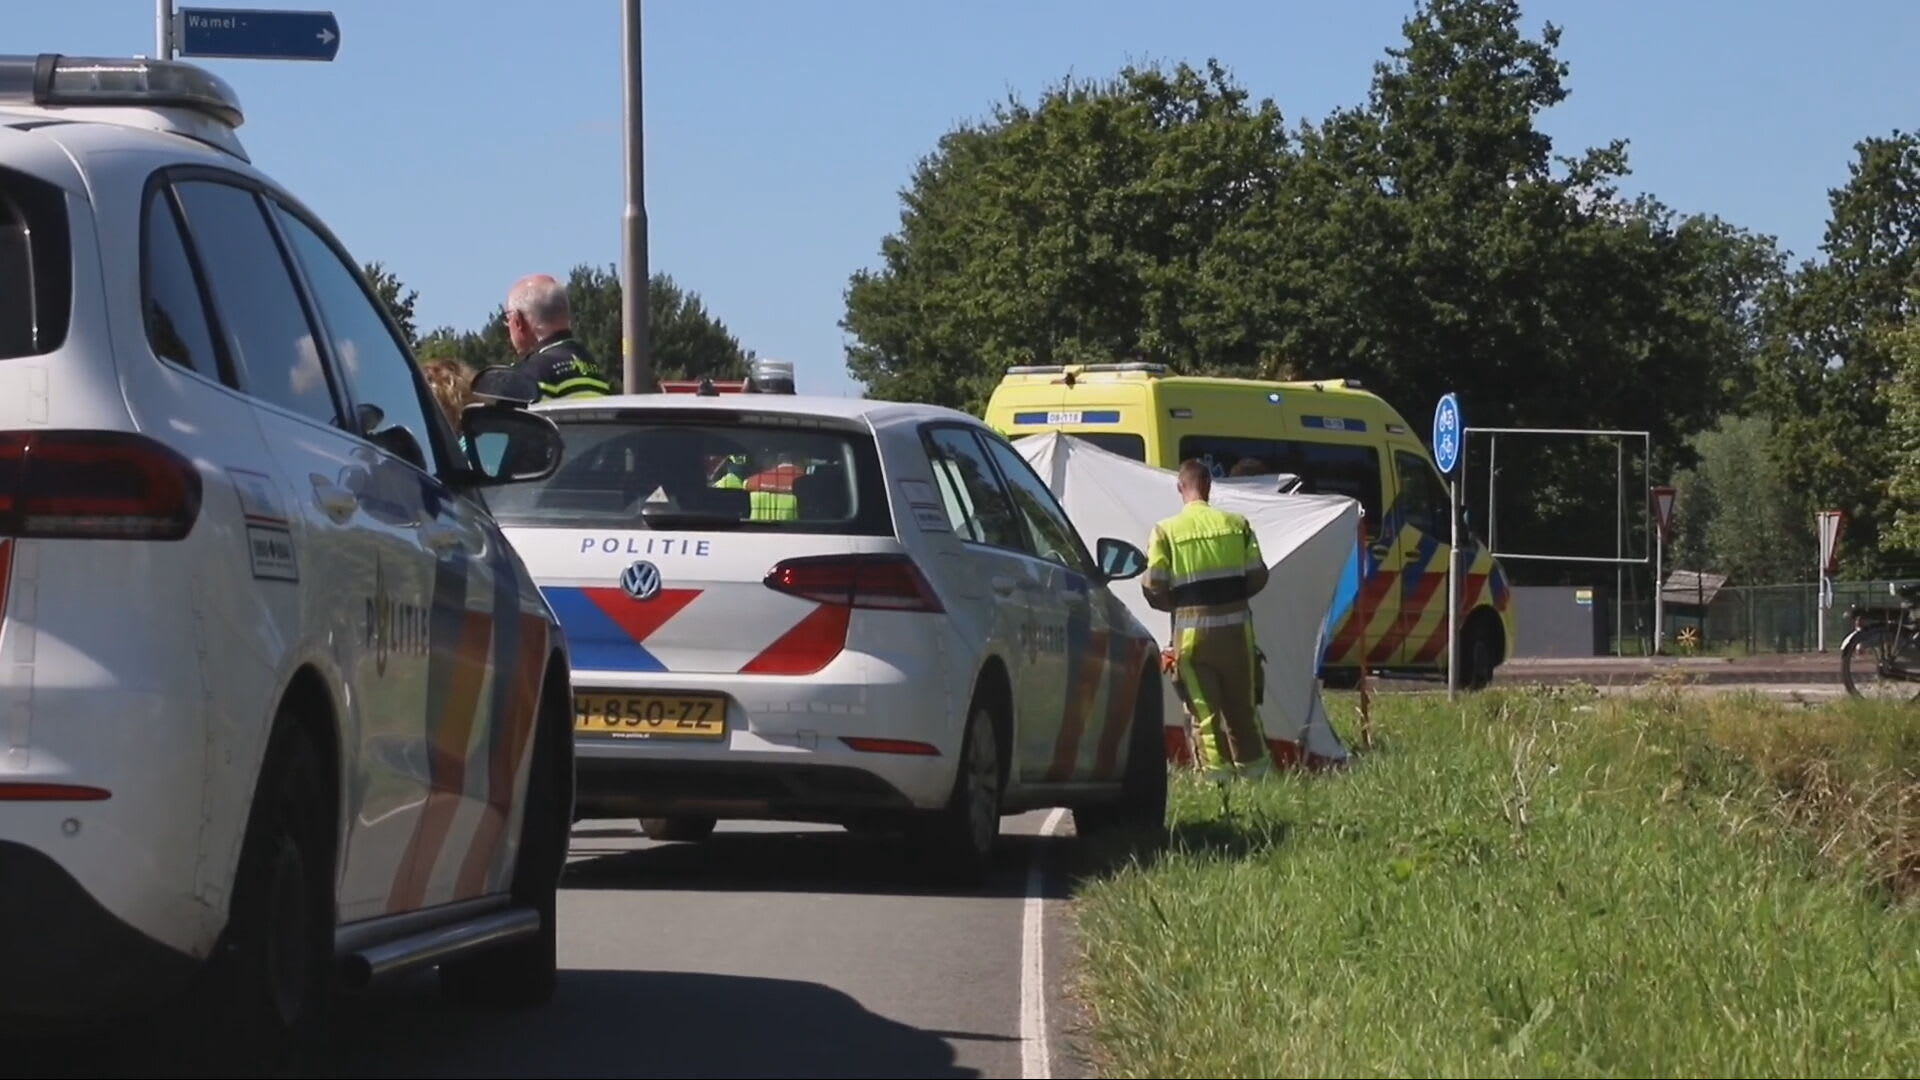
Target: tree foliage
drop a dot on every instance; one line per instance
(1425, 241)
(1111, 220)
(1737, 513)
(1902, 399)
(1832, 353)
(398, 299)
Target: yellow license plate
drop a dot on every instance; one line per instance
(651, 716)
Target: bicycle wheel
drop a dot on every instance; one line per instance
(1873, 661)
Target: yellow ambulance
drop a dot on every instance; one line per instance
(1338, 439)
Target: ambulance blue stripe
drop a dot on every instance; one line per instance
(597, 642)
(1088, 416)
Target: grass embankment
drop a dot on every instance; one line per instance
(1533, 884)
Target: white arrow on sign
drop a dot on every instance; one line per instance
(325, 36)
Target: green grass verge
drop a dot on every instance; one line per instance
(1531, 884)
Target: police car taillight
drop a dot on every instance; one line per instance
(889, 582)
(95, 485)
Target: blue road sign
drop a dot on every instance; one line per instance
(253, 34)
(1446, 433)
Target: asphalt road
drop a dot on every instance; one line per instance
(766, 950)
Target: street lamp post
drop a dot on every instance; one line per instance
(637, 369)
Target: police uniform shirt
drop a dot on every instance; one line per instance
(563, 368)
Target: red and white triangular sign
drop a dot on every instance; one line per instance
(1832, 523)
(1663, 510)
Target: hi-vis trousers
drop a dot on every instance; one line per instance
(1217, 666)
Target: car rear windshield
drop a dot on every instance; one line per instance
(699, 472)
(36, 273)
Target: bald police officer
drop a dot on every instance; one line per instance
(540, 323)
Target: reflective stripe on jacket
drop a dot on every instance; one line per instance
(1204, 564)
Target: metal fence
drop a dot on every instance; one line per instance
(1745, 619)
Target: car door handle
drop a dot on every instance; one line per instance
(1004, 585)
(338, 502)
(441, 537)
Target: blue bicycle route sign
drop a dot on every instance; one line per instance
(1446, 433)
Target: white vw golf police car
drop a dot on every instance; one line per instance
(861, 612)
(278, 704)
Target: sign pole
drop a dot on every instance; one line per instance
(1663, 520)
(1453, 587)
(1828, 526)
(163, 29)
(1448, 429)
(1820, 607)
(1659, 594)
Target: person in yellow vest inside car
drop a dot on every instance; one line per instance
(769, 493)
(1203, 565)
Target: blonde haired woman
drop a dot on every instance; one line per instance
(452, 386)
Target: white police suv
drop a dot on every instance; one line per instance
(278, 704)
(861, 612)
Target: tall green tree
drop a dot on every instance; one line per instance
(1737, 513)
(1902, 396)
(1832, 353)
(1446, 247)
(1427, 240)
(1111, 220)
(398, 299)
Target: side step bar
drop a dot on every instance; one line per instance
(374, 962)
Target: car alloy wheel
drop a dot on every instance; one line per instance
(983, 782)
(288, 952)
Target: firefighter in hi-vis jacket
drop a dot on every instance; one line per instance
(1203, 565)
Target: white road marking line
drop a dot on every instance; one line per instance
(1036, 1061)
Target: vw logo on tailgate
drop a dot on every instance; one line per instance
(641, 580)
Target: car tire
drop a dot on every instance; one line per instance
(1142, 806)
(964, 835)
(1479, 643)
(688, 828)
(524, 974)
(263, 1002)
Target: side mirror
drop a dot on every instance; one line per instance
(506, 445)
(504, 382)
(395, 440)
(1120, 560)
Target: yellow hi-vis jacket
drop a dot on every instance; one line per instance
(1203, 565)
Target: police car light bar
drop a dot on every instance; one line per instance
(53, 80)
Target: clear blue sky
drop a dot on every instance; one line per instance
(466, 142)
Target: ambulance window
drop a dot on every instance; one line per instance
(1130, 446)
(1336, 469)
(1323, 468)
(1423, 498)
